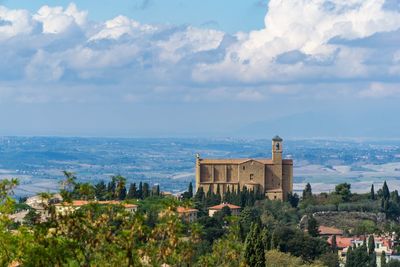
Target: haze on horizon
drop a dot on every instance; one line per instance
(307, 68)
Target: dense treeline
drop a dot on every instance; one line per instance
(116, 189)
(266, 233)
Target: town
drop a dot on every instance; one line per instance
(241, 211)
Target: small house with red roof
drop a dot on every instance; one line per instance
(235, 210)
(68, 207)
(187, 214)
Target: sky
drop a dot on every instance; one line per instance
(152, 68)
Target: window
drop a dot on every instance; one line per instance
(274, 197)
(244, 167)
(251, 177)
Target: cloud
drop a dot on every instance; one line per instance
(304, 44)
(381, 90)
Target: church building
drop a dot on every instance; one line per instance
(273, 176)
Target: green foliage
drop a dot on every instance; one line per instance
(297, 243)
(330, 259)
(365, 227)
(254, 247)
(307, 192)
(359, 256)
(343, 190)
(312, 226)
(393, 263)
(372, 193)
(371, 244)
(385, 191)
(293, 199)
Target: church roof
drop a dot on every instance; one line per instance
(240, 161)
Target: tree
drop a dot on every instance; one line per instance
(383, 259)
(86, 191)
(190, 190)
(254, 247)
(32, 218)
(140, 191)
(146, 190)
(334, 244)
(307, 192)
(395, 196)
(385, 191)
(293, 199)
(372, 194)
(312, 226)
(343, 190)
(132, 193)
(100, 190)
(371, 244)
(358, 257)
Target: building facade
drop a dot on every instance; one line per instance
(273, 176)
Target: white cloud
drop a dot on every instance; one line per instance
(380, 90)
(15, 22)
(304, 43)
(307, 26)
(57, 20)
(120, 26)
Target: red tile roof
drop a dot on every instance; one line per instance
(220, 206)
(326, 230)
(79, 203)
(341, 242)
(185, 210)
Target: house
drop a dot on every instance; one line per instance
(187, 214)
(326, 231)
(235, 210)
(66, 207)
(382, 244)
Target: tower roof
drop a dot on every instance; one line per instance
(277, 138)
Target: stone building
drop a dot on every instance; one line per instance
(273, 176)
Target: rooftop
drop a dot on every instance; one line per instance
(79, 203)
(325, 230)
(186, 210)
(240, 161)
(220, 206)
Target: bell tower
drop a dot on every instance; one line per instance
(277, 150)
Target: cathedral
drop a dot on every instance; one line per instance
(272, 176)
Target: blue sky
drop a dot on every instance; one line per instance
(306, 68)
(226, 15)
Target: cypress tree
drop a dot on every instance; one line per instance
(307, 192)
(218, 195)
(100, 190)
(334, 244)
(383, 259)
(254, 251)
(140, 191)
(158, 191)
(122, 193)
(372, 194)
(190, 190)
(132, 192)
(395, 196)
(199, 197)
(312, 226)
(386, 192)
(350, 261)
(227, 196)
(146, 190)
(371, 244)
